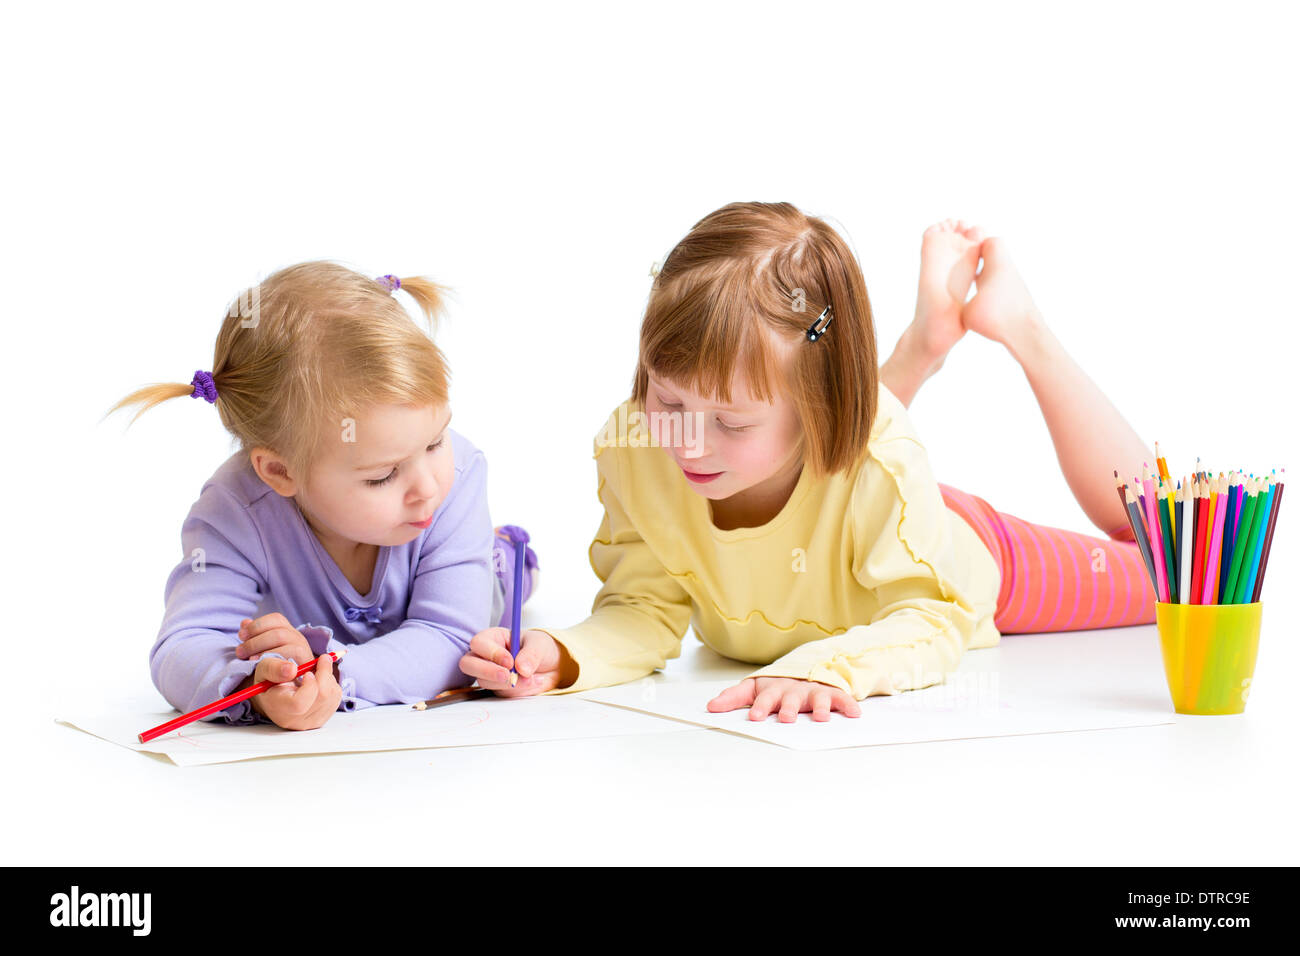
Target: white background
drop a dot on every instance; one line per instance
(1141, 160)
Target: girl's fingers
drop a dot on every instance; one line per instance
(490, 675)
(274, 669)
(307, 705)
(272, 640)
(250, 628)
(846, 703)
(535, 650)
(792, 702)
(273, 703)
(305, 696)
(820, 700)
(742, 695)
(298, 650)
(538, 683)
(281, 693)
(764, 701)
(325, 671)
(490, 645)
(250, 645)
(524, 688)
(328, 690)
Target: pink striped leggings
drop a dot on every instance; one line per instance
(1054, 580)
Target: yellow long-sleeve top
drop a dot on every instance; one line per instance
(864, 580)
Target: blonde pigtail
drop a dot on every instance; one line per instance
(149, 396)
(429, 296)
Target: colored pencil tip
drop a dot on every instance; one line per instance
(514, 678)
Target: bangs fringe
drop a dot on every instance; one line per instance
(747, 278)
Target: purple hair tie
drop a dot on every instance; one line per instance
(204, 387)
(391, 282)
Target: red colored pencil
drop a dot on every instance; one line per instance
(1198, 541)
(235, 698)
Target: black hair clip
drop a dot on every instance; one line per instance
(815, 333)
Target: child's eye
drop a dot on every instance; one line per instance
(376, 482)
(733, 428)
(667, 404)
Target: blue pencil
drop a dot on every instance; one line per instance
(1249, 590)
(1178, 542)
(516, 610)
(1229, 536)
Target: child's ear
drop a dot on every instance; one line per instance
(273, 470)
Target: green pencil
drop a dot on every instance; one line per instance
(1165, 531)
(1239, 547)
(1239, 594)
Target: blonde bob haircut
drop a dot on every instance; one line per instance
(311, 346)
(752, 271)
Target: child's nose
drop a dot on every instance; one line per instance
(426, 486)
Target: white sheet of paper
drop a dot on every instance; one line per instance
(973, 708)
(395, 727)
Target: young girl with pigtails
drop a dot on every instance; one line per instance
(801, 529)
(352, 519)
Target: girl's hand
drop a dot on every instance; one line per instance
(297, 706)
(268, 633)
(542, 663)
(763, 694)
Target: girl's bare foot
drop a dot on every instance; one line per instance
(950, 252)
(1002, 309)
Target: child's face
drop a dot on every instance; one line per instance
(382, 476)
(735, 446)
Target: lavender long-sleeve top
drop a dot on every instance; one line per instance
(248, 551)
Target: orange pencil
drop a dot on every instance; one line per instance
(1164, 473)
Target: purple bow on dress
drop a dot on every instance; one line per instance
(372, 615)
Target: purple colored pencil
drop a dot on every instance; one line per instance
(518, 602)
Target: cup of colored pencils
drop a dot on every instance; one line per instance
(1205, 541)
